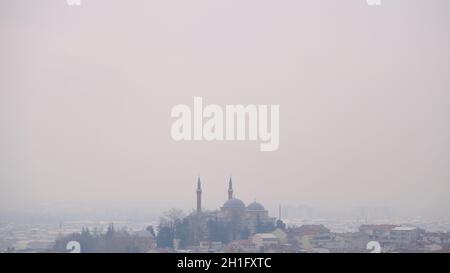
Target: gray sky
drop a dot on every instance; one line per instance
(86, 94)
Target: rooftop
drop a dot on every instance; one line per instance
(234, 203)
(404, 228)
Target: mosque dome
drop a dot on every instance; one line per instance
(234, 203)
(255, 206)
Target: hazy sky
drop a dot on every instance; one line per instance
(86, 94)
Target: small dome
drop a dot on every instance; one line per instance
(255, 206)
(234, 203)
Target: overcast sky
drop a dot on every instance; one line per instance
(86, 94)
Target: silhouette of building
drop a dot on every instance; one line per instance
(233, 221)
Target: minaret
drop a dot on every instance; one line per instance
(230, 189)
(279, 212)
(199, 195)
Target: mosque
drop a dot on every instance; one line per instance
(233, 221)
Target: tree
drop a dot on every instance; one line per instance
(170, 217)
(165, 237)
(245, 233)
(151, 230)
(182, 231)
(281, 225)
(262, 227)
(167, 230)
(217, 232)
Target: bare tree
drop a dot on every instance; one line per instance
(171, 217)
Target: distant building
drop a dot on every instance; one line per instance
(377, 230)
(380, 233)
(441, 238)
(241, 246)
(233, 221)
(404, 236)
(309, 236)
(281, 235)
(349, 242)
(265, 240)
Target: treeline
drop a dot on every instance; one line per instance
(174, 228)
(112, 240)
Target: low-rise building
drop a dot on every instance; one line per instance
(265, 240)
(404, 236)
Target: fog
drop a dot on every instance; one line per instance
(86, 93)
